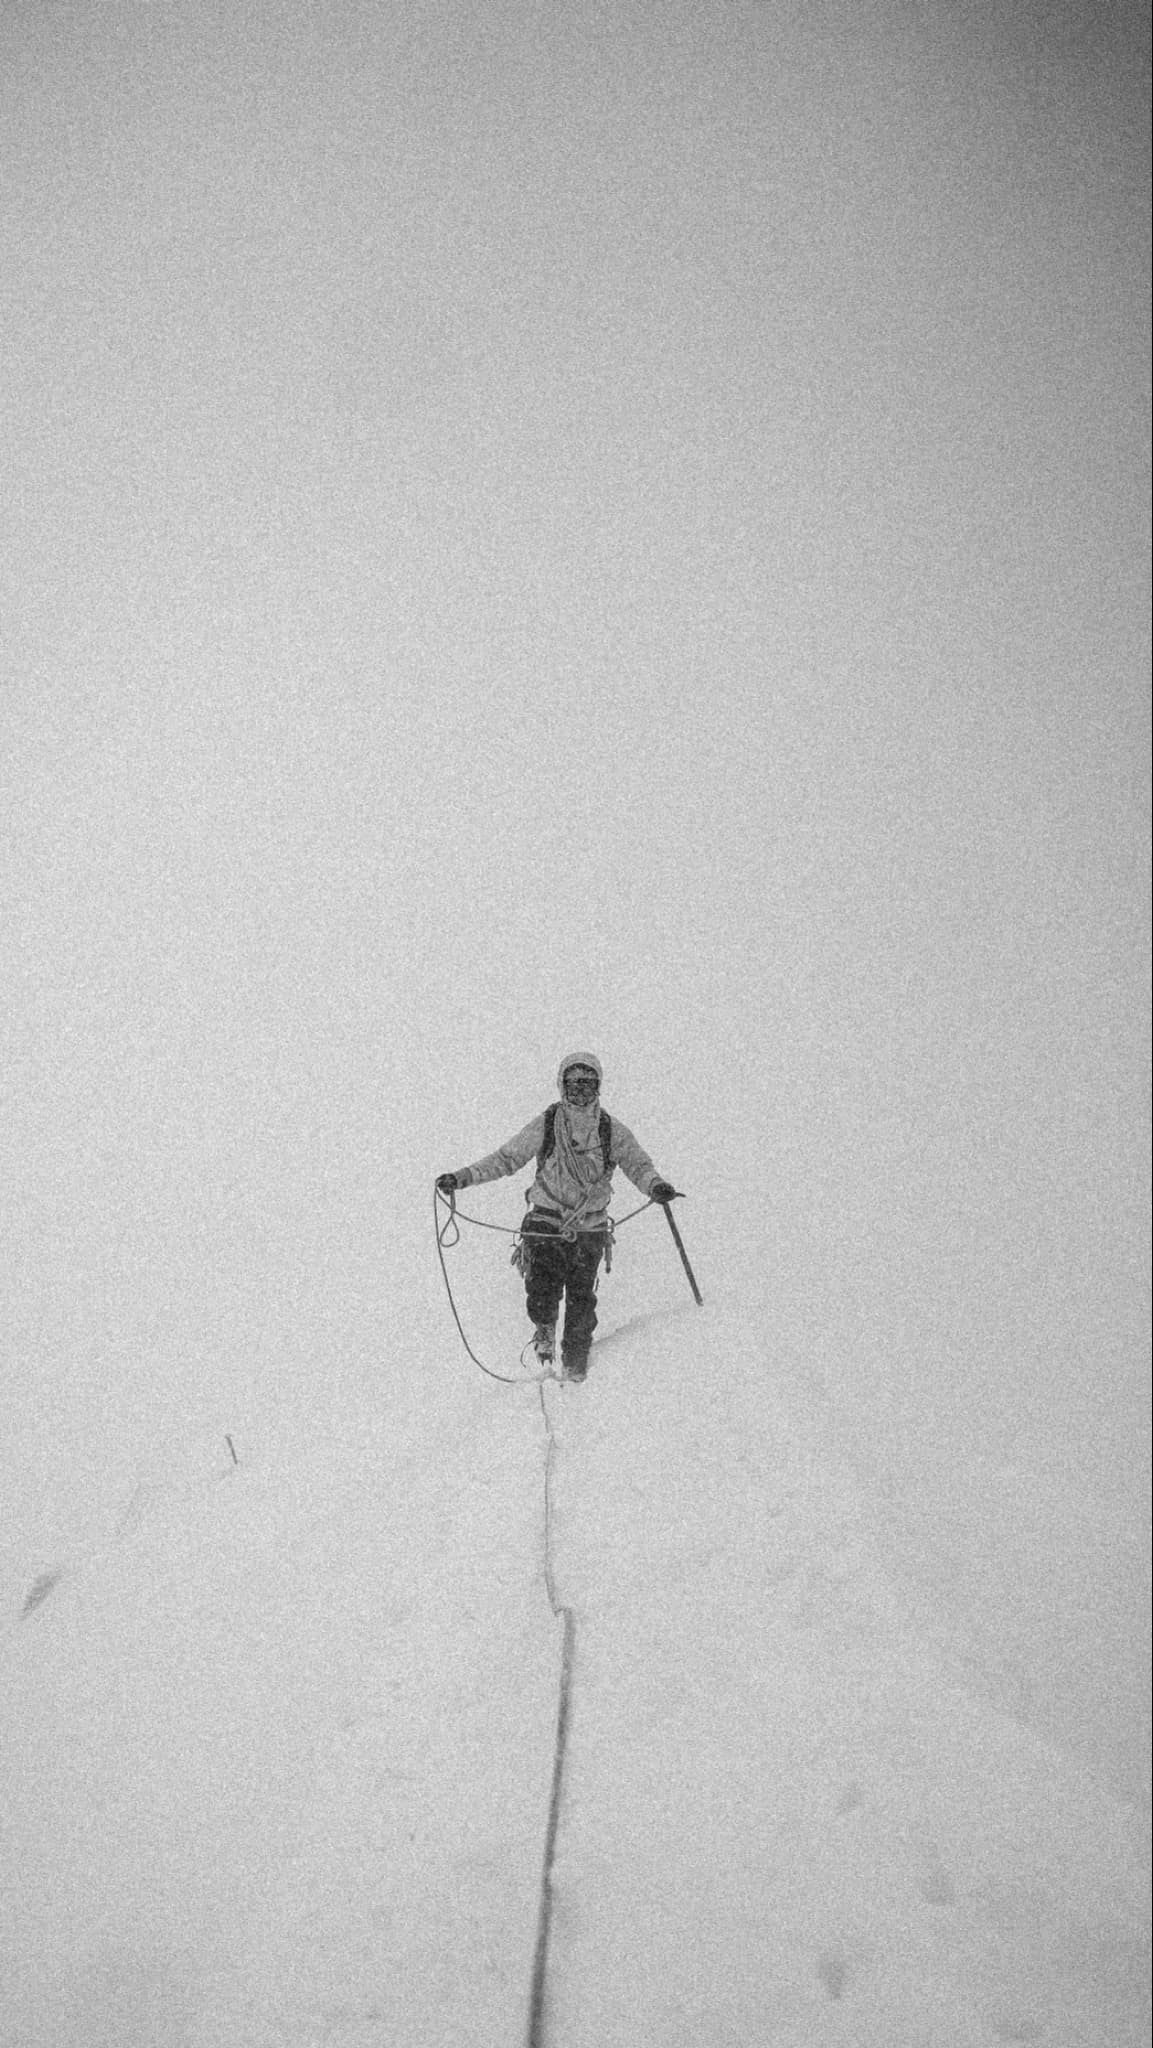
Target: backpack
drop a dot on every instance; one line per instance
(549, 1141)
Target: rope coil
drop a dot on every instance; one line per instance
(448, 1236)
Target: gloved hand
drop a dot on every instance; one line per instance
(448, 1183)
(662, 1191)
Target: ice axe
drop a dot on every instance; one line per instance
(667, 1206)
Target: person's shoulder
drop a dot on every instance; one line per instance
(532, 1130)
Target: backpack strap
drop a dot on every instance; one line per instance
(549, 1140)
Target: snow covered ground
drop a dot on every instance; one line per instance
(529, 526)
(277, 1751)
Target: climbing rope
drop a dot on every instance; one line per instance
(538, 2012)
(448, 1235)
(446, 1242)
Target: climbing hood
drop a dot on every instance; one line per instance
(578, 1059)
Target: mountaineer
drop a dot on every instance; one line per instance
(577, 1145)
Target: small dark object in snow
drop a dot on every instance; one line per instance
(39, 1590)
(832, 1972)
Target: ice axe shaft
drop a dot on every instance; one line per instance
(671, 1221)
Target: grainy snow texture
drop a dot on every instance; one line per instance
(277, 1755)
(540, 525)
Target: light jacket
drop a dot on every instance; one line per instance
(573, 1179)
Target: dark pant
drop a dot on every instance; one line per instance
(556, 1266)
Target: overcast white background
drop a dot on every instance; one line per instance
(543, 525)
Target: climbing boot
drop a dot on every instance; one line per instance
(544, 1342)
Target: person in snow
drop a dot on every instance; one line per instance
(577, 1146)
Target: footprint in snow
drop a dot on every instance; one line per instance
(833, 1972)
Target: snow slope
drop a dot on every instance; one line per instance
(277, 1755)
(530, 525)
(878, 1855)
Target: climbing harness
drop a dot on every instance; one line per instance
(448, 1235)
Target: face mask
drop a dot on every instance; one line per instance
(580, 1089)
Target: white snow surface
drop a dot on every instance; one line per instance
(532, 523)
(278, 1750)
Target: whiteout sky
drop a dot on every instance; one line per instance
(529, 526)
